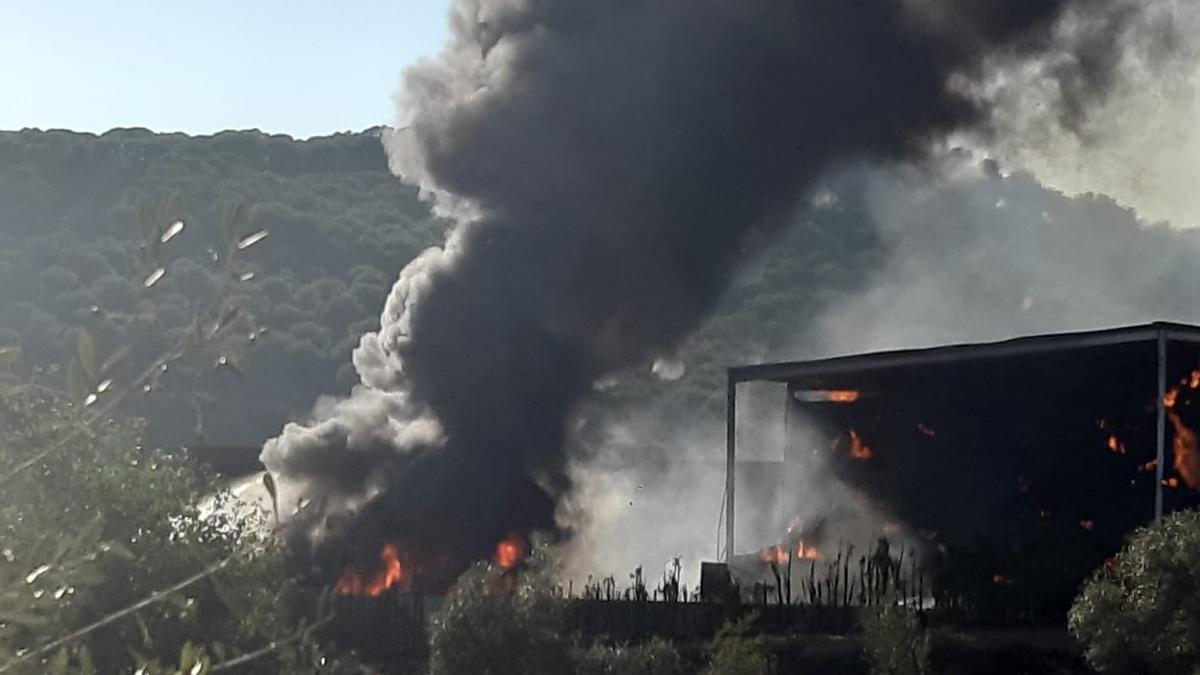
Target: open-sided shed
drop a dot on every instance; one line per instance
(1076, 437)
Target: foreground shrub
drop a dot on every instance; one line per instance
(735, 650)
(494, 623)
(895, 641)
(656, 657)
(110, 564)
(1141, 611)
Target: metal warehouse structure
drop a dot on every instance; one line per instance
(1074, 435)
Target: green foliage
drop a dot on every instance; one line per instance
(100, 529)
(737, 650)
(86, 221)
(103, 522)
(895, 641)
(1141, 612)
(118, 556)
(493, 623)
(497, 623)
(656, 657)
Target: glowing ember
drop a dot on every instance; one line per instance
(509, 552)
(1171, 482)
(390, 574)
(927, 430)
(1088, 525)
(1000, 579)
(1115, 445)
(1170, 397)
(858, 449)
(828, 395)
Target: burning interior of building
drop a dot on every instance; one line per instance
(1009, 468)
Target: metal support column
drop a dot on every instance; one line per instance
(730, 461)
(1161, 429)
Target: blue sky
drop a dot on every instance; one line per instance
(300, 67)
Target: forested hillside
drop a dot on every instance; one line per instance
(83, 219)
(73, 232)
(339, 226)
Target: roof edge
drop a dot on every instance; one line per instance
(1030, 344)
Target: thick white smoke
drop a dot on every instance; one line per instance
(1142, 148)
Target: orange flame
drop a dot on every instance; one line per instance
(828, 395)
(390, 574)
(509, 552)
(774, 554)
(1192, 382)
(779, 555)
(859, 450)
(1187, 455)
(807, 552)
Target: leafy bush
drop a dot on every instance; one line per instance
(736, 650)
(895, 641)
(656, 657)
(109, 563)
(495, 623)
(1141, 611)
(118, 556)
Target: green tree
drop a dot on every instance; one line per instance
(117, 556)
(1140, 612)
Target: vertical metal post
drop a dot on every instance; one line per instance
(786, 443)
(730, 461)
(1161, 429)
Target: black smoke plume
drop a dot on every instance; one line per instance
(606, 166)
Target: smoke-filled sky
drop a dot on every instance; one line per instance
(301, 67)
